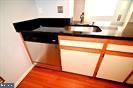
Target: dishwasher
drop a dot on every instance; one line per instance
(42, 44)
(41, 40)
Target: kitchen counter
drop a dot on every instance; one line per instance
(57, 26)
(105, 33)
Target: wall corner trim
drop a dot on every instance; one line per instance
(24, 75)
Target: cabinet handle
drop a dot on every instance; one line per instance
(53, 40)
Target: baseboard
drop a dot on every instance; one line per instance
(23, 76)
(47, 66)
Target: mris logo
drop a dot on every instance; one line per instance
(6, 85)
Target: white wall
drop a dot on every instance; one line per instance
(14, 61)
(48, 8)
(106, 12)
(103, 9)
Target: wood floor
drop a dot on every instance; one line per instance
(45, 78)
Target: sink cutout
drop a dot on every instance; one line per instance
(88, 28)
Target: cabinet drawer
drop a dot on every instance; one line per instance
(81, 44)
(120, 48)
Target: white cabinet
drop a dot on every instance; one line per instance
(81, 44)
(130, 80)
(120, 48)
(115, 68)
(86, 56)
(79, 54)
(79, 62)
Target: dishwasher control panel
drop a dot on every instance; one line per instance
(44, 37)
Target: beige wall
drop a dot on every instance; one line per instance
(14, 61)
(78, 9)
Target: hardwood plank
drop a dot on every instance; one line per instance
(45, 78)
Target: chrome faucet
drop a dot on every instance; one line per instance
(82, 17)
(93, 23)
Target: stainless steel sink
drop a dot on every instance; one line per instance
(84, 28)
(82, 24)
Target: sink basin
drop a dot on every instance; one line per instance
(83, 29)
(80, 24)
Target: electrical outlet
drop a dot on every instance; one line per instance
(119, 17)
(60, 9)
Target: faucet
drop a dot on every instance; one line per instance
(82, 17)
(93, 23)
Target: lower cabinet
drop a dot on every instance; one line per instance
(109, 59)
(115, 68)
(130, 80)
(79, 62)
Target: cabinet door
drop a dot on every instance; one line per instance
(115, 68)
(130, 80)
(79, 62)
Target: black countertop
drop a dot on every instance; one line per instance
(58, 26)
(105, 33)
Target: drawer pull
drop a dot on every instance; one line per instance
(53, 40)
